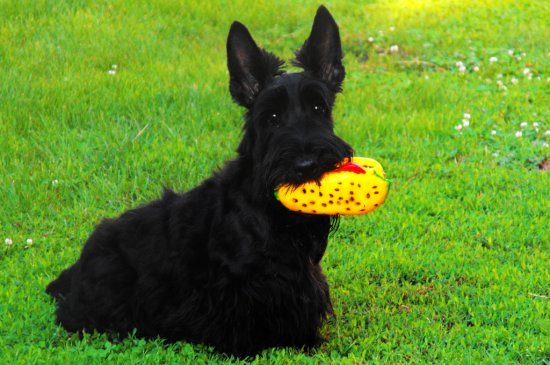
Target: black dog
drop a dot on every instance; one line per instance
(226, 264)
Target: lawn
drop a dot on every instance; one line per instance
(102, 103)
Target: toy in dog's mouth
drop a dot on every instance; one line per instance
(355, 187)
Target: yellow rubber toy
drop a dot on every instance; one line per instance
(356, 187)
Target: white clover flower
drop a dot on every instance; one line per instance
(501, 85)
(547, 133)
(518, 58)
(458, 127)
(462, 69)
(111, 72)
(392, 28)
(114, 67)
(394, 48)
(29, 242)
(526, 71)
(523, 54)
(370, 39)
(459, 63)
(530, 77)
(545, 144)
(8, 242)
(514, 81)
(519, 134)
(476, 68)
(55, 182)
(493, 59)
(499, 76)
(465, 122)
(535, 125)
(493, 132)
(523, 124)
(467, 116)
(511, 52)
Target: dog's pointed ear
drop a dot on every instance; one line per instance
(321, 55)
(250, 67)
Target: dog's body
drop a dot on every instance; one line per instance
(225, 263)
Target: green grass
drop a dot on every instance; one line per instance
(453, 268)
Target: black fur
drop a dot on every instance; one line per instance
(225, 263)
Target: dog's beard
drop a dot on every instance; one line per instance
(278, 165)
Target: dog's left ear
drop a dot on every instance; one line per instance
(250, 67)
(321, 55)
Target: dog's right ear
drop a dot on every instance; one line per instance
(250, 67)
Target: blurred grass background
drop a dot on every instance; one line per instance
(102, 103)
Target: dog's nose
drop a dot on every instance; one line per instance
(305, 166)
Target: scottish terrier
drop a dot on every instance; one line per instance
(225, 264)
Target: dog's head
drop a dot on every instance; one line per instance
(288, 134)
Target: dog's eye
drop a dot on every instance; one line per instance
(319, 108)
(274, 119)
